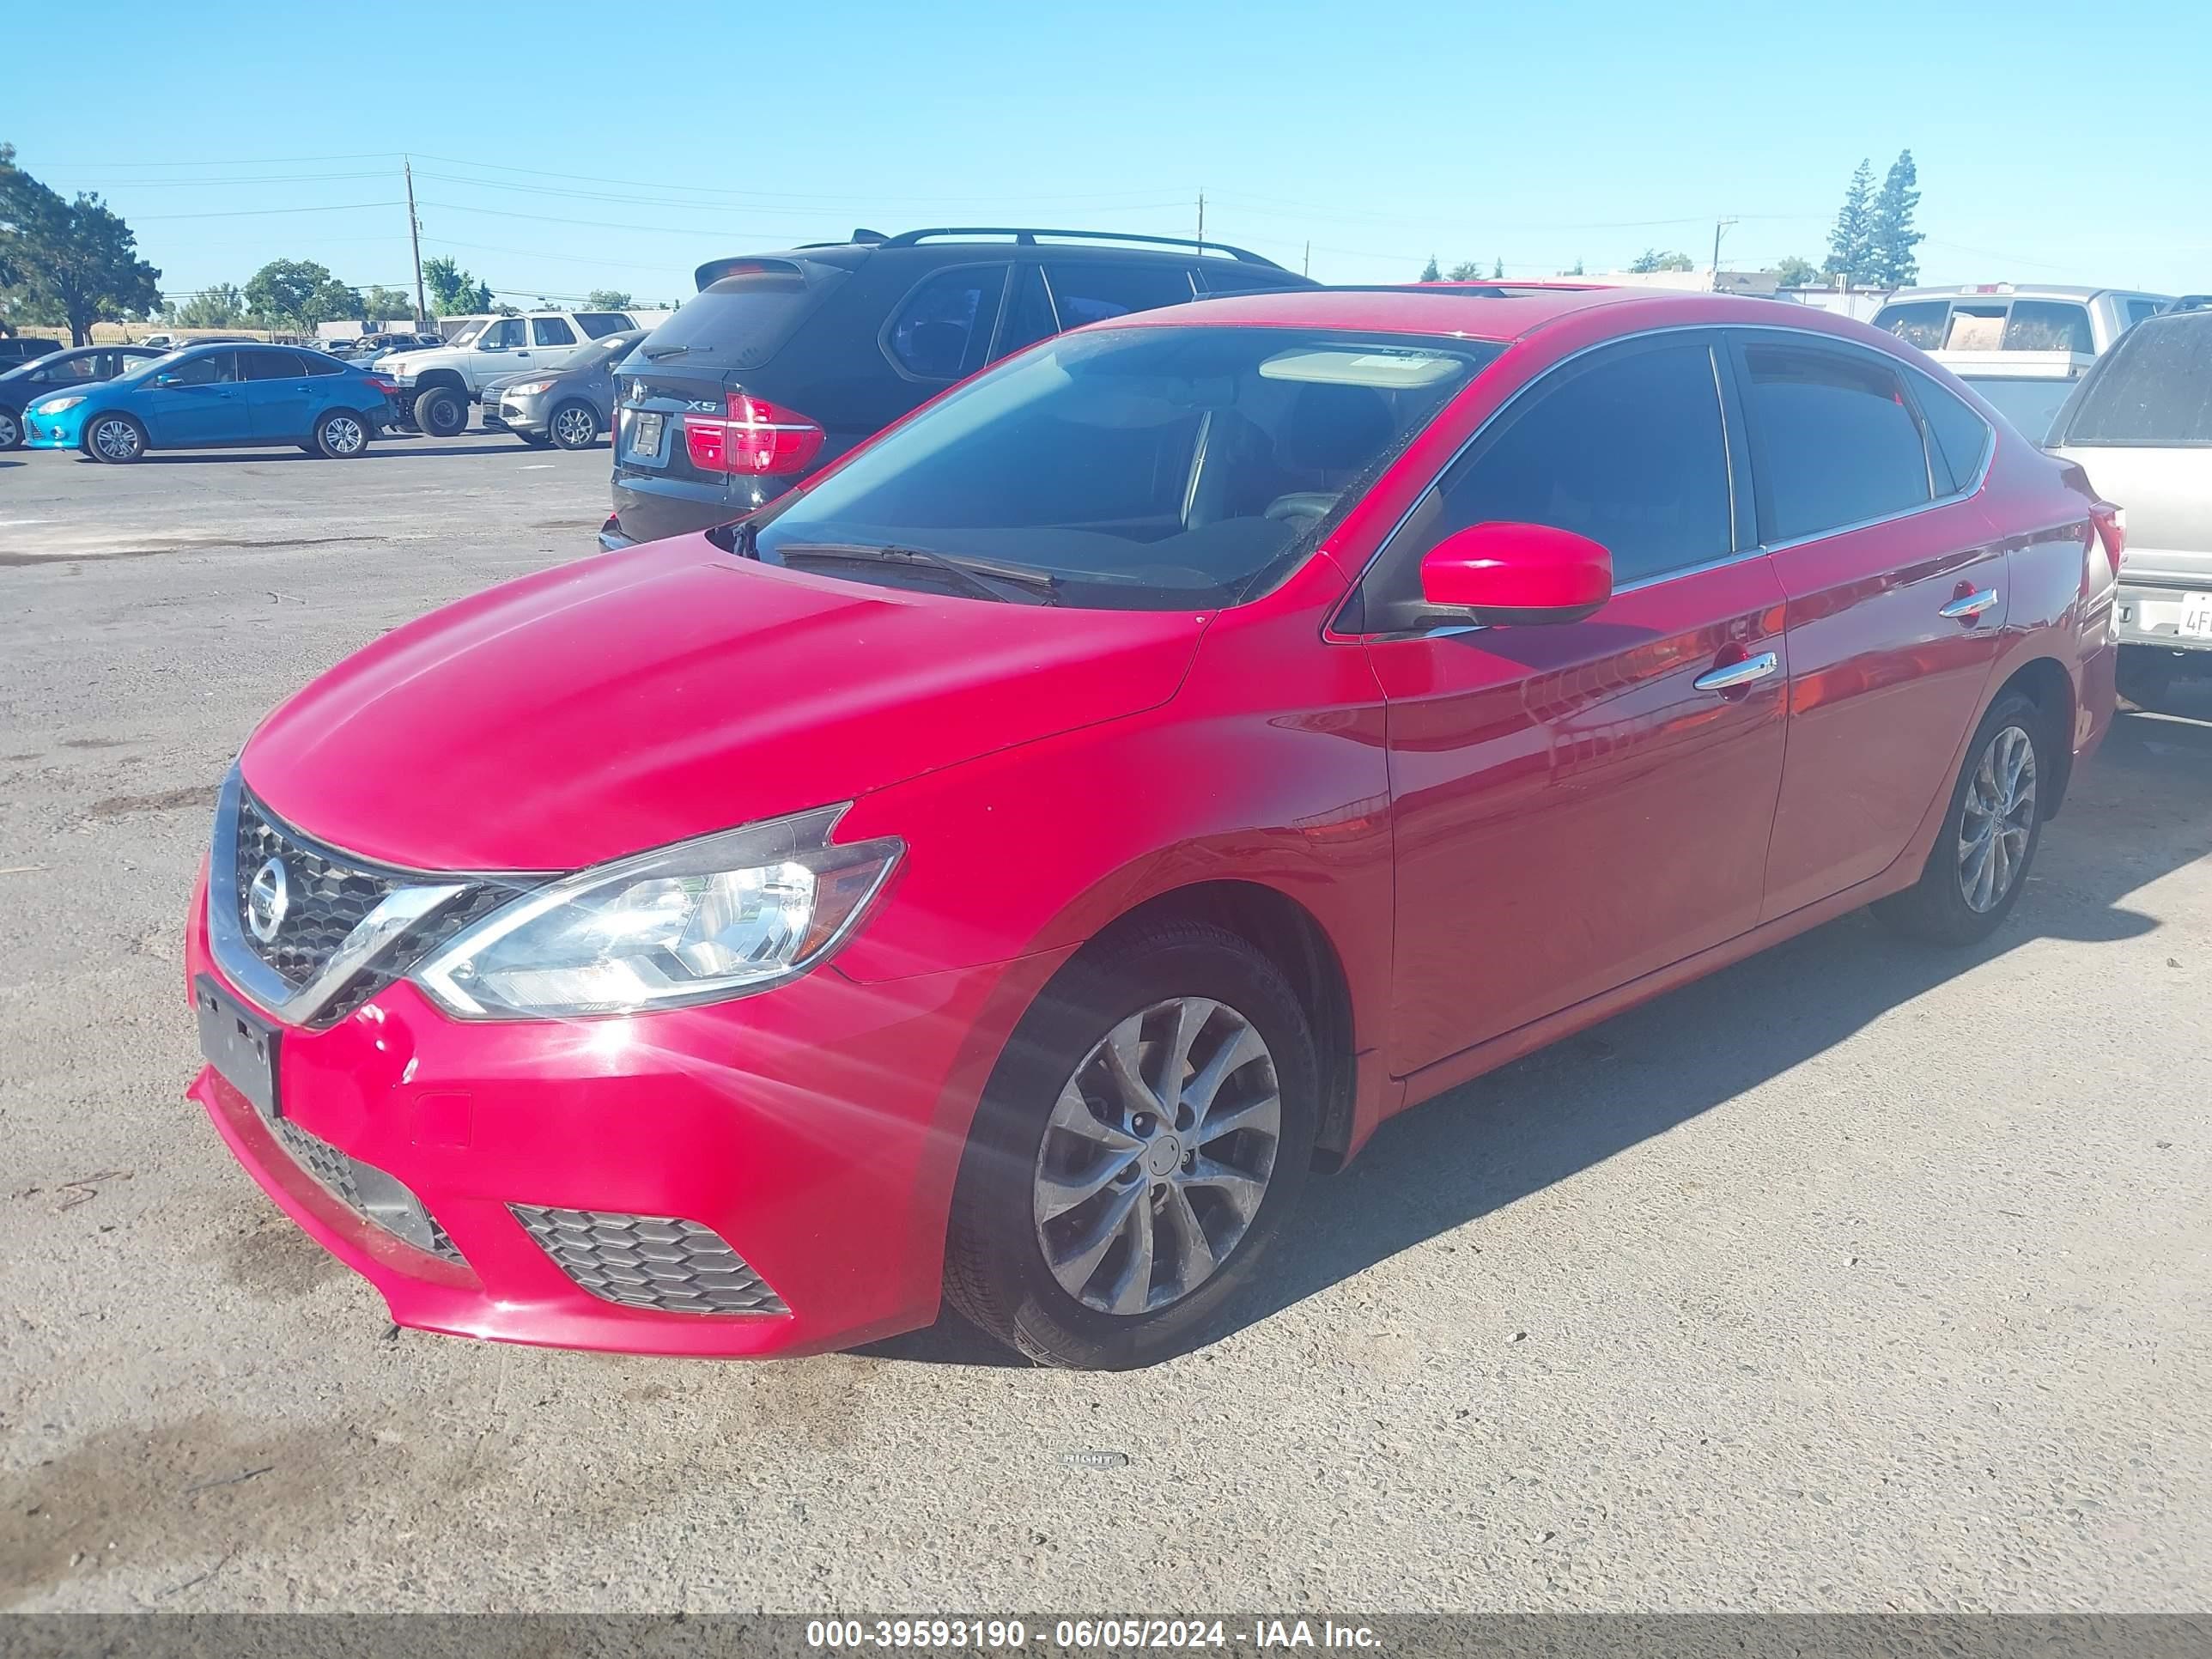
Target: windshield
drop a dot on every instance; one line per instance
(468, 333)
(1136, 469)
(602, 352)
(2030, 405)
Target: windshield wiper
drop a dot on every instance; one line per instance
(975, 574)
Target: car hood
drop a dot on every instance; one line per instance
(642, 697)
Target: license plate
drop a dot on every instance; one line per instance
(645, 433)
(2196, 617)
(241, 1045)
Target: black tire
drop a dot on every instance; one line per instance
(342, 434)
(128, 442)
(582, 422)
(441, 411)
(996, 1271)
(1939, 909)
(11, 430)
(535, 439)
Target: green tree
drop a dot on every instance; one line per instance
(1467, 271)
(1577, 271)
(73, 262)
(1795, 272)
(1891, 238)
(610, 299)
(220, 306)
(1429, 273)
(385, 305)
(1850, 243)
(1497, 267)
(453, 289)
(1652, 259)
(297, 294)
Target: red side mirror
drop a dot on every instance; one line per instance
(1516, 575)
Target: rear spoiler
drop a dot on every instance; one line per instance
(744, 265)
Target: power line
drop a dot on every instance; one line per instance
(252, 213)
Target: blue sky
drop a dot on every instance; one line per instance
(559, 149)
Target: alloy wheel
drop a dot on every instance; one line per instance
(116, 440)
(11, 431)
(1156, 1156)
(1996, 819)
(573, 428)
(342, 436)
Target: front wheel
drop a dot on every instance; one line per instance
(1979, 866)
(1149, 1127)
(115, 439)
(574, 426)
(441, 412)
(341, 434)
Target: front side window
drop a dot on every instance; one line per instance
(1083, 292)
(1134, 469)
(216, 368)
(502, 333)
(944, 328)
(2153, 388)
(1833, 439)
(1628, 450)
(551, 330)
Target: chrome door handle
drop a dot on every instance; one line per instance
(1734, 674)
(1968, 606)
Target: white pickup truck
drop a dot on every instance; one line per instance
(436, 386)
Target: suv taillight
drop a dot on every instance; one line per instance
(754, 438)
(2111, 524)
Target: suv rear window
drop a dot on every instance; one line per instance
(2153, 388)
(600, 324)
(742, 321)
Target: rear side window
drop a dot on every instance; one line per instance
(2137, 310)
(2153, 388)
(1084, 292)
(1919, 322)
(315, 363)
(1959, 439)
(270, 365)
(551, 330)
(1629, 451)
(2048, 325)
(598, 325)
(1833, 439)
(741, 321)
(944, 330)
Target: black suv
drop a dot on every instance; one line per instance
(783, 361)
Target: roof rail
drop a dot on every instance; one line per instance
(2191, 302)
(1028, 237)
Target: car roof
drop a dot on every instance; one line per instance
(2013, 291)
(1492, 311)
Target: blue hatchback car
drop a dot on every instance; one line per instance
(212, 396)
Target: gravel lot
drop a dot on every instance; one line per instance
(1856, 1277)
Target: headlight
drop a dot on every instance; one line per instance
(527, 389)
(718, 917)
(57, 406)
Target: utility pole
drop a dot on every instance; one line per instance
(415, 237)
(1305, 266)
(1201, 215)
(1719, 225)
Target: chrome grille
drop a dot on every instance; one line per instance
(366, 1190)
(330, 895)
(649, 1262)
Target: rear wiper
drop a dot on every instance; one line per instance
(971, 574)
(662, 354)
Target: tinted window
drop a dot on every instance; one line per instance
(1029, 312)
(551, 330)
(507, 331)
(315, 363)
(2139, 309)
(1959, 438)
(1919, 323)
(1832, 438)
(944, 328)
(1139, 469)
(599, 323)
(2048, 325)
(2030, 405)
(270, 366)
(215, 368)
(740, 322)
(1629, 451)
(69, 371)
(2155, 387)
(1091, 293)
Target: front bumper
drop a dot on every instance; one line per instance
(816, 1129)
(62, 431)
(505, 414)
(2152, 614)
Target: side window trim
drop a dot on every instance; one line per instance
(1021, 271)
(1005, 267)
(1740, 336)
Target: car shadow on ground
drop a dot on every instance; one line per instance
(2142, 808)
(383, 449)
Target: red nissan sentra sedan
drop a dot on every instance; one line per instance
(1002, 868)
